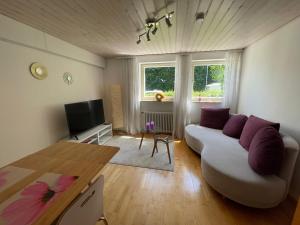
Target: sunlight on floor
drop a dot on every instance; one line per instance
(126, 137)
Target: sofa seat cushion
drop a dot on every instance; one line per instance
(225, 167)
(252, 191)
(196, 135)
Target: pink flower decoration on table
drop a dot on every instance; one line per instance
(147, 126)
(152, 125)
(34, 200)
(3, 178)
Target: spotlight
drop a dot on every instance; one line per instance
(200, 17)
(154, 30)
(148, 35)
(152, 24)
(168, 22)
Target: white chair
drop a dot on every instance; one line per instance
(87, 208)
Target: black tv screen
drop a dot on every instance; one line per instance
(82, 116)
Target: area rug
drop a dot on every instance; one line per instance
(131, 155)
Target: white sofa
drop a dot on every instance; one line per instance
(224, 164)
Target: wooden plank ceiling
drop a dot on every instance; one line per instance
(110, 27)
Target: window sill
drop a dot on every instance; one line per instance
(194, 101)
(213, 102)
(163, 101)
(208, 100)
(216, 100)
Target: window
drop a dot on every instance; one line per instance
(157, 78)
(208, 85)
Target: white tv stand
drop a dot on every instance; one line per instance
(97, 135)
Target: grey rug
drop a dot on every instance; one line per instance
(130, 155)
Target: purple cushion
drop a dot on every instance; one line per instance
(266, 151)
(214, 117)
(252, 125)
(234, 126)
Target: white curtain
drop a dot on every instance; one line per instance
(131, 95)
(232, 80)
(183, 94)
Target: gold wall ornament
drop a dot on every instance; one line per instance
(68, 78)
(38, 71)
(159, 96)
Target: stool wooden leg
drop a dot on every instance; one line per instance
(154, 147)
(141, 142)
(169, 152)
(155, 142)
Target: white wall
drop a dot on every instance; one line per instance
(32, 111)
(21, 34)
(270, 84)
(113, 76)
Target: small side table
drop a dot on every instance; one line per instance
(164, 139)
(143, 132)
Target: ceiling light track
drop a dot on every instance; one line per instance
(152, 24)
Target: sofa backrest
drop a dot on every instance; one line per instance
(289, 161)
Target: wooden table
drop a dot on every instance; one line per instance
(296, 220)
(66, 158)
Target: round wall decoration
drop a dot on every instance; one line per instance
(68, 78)
(38, 71)
(159, 96)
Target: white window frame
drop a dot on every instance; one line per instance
(206, 63)
(143, 66)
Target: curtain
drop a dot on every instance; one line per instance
(232, 79)
(131, 95)
(183, 94)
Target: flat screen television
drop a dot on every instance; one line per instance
(82, 116)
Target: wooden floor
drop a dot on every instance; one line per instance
(140, 196)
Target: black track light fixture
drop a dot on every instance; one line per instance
(152, 26)
(200, 17)
(139, 40)
(168, 18)
(168, 21)
(155, 29)
(148, 35)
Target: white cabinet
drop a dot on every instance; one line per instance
(87, 208)
(97, 135)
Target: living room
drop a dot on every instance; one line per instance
(150, 112)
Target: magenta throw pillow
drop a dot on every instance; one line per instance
(266, 151)
(214, 118)
(234, 126)
(252, 125)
